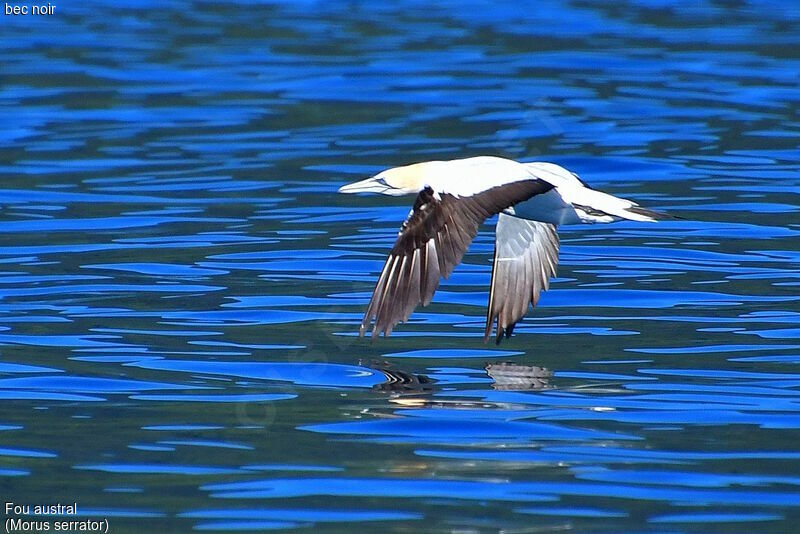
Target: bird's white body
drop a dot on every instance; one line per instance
(454, 197)
(467, 177)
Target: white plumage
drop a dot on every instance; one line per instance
(453, 199)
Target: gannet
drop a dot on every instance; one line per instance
(453, 199)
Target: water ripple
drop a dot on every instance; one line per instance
(181, 285)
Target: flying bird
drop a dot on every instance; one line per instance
(453, 199)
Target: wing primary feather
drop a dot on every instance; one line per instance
(413, 286)
(521, 296)
(393, 312)
(423, 270)
(433, 275)
(502, 296)
(376, 299)
(380, 320)
(490, 308)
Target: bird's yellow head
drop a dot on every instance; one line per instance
(398, 181)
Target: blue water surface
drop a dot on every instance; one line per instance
(181, 285)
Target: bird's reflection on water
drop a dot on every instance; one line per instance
(516, 377)
(506, 376)
(402, 382)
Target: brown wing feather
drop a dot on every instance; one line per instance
(432, 241)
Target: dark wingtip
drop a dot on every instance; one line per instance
(655, 215)
(504, 333)
(487, 332)
(499, 337)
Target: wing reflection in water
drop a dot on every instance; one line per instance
(512, 376)
(505, 376)
(399, 381)
(402, 382)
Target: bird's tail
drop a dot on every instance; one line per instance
(592, 201)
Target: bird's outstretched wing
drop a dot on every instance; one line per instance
(431, 243)
(525, 258)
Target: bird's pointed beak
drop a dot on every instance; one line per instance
(370, 185)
